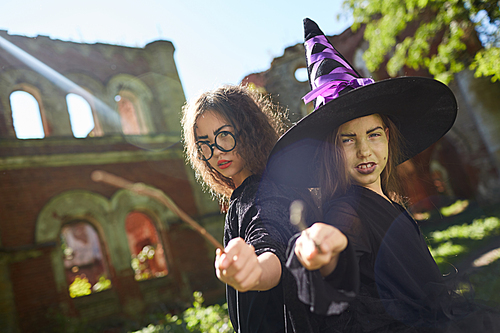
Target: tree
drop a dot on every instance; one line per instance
(449, 35)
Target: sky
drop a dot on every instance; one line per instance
(216, 42)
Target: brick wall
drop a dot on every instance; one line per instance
(25, 192)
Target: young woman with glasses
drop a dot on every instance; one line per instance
(228, 134)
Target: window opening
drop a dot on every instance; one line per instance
(84, 263)
(147, 254)
(128, 115)
(301, 74)
(26, 116)
(80, 115)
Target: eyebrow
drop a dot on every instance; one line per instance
(215, 132)
(367, 132)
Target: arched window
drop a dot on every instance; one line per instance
(129, 113)
(80, 115)
(148, 256)
(84, 263)
(26, 116)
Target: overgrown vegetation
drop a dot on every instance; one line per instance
(453, 233)
(449, 245)
(454, 239)
(199, 319)
(81, 286)
(451, 35)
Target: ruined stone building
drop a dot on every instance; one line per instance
(465, 164)
(72, 248)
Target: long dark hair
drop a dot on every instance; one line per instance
(257, 123)
(334, 178)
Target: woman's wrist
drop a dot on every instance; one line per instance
(271, 271)
(330, 267)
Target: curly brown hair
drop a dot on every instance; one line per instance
(258, 124)
(333, 174)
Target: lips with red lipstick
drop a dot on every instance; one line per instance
(223, 164)
(366, 168)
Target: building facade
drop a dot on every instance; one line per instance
(73, 250)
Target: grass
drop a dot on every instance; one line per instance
(455, 240)
(454, 234)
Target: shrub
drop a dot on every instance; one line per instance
(199, 319)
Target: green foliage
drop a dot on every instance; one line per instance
(102, 284)
(199, 319)
(455, 208)
(80, 287)
(448, 245)
(449, 23)
(140, 263)
(477, 230)
(172, 325)
(444, 251)
(486, 63)
(212, 319)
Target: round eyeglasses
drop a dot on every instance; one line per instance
(224, 141)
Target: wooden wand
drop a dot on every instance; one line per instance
(142, 189)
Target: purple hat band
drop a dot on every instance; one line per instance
(327, 87)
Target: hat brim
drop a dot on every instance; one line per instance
(422, 108)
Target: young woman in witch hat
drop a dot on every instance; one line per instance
(228, 133)
(366, 265)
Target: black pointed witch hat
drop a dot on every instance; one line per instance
(423, 109)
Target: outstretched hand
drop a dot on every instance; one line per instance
(319, 247)
(238, 265)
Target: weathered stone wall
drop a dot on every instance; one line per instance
(102, 70)
(46, 183)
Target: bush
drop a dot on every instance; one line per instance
(199, 319)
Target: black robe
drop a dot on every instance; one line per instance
(398, 285)
(259, 213)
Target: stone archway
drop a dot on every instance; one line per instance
(108, 217)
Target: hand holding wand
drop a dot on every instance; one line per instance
(297, 219)
(142, 189)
